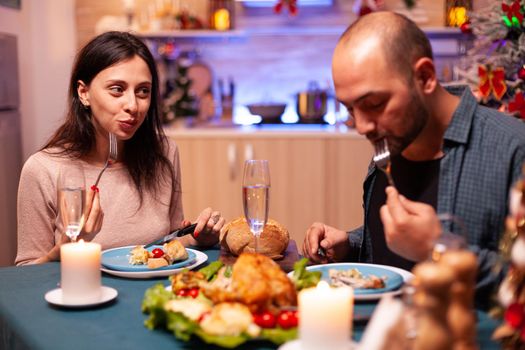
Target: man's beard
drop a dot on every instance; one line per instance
(417, 115)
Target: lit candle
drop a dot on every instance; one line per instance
(80, 272)
(325, 317)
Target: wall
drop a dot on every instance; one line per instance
(46, 48)
(46, 45)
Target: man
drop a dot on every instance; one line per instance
(449, 154)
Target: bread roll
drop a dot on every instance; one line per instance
(237, 238)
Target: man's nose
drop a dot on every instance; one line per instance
(364, 125)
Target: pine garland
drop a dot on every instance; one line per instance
(496, 44)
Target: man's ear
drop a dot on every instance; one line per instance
(425, 74)
(83, 93)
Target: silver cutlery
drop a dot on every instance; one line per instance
(382, 159)
(177, 233)
(112, 155)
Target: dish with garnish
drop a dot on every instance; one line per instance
(253, 299)
(370, 281)
(138, 259)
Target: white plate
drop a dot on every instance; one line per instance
(201, 258)
(296, 345)
(406, 275)
(54, 297)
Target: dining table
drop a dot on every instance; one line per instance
(27, 321)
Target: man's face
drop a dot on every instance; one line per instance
(382, 102)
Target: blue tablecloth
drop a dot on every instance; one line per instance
(27, 321)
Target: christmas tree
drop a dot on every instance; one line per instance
(495, 65)
(180, 101)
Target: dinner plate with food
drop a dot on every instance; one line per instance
(227, 305)
(369, 281)
(156, 261)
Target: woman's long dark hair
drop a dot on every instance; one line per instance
(144, 154)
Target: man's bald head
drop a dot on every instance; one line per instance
(402, 42)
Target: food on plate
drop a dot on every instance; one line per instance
(227, 305)
(139, 256)
(155, 263)
(237, 238)
(302, 278)
(174, 251)
(355, 279)
(228, 319)
(256, 281)
(171, 252)
(193, 309)
(187, 280)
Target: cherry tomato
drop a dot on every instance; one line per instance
(287, 319)
(157, 253)
(193, 292)
(183, 292)
(203, 316)
(264, 319)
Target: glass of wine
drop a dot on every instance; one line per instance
(453, 236)
(255, 196)
(72, 198)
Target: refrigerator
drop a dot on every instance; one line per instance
(10, 146)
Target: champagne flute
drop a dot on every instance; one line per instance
(255, 196)
(452, 237)
(72, 198)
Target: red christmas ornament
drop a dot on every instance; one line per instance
(521, 73)
(466, 28)
(518, 105)
(291, 4)
(513, 10)
(491, 81)
(515, 315)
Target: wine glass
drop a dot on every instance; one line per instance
(255, 196)
(72, 198)
(452, 237)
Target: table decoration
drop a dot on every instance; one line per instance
(326, 317)
(252, 300)
(80, 277)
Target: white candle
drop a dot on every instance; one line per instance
(80, 272)
(325, 317)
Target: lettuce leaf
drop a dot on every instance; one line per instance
(303, 278)
(153, 304)
(279, 335)
(211, 270)
(226, 341)
(181, 326)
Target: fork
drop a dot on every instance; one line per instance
(382, 159)
(112, 155)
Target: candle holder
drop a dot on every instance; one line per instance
(80, 277)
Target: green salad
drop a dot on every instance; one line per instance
(187, 314)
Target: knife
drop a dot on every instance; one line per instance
(177, 233)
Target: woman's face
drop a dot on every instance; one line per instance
(119, 97)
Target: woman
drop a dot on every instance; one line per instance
(114, 88)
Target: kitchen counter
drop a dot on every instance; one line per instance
(264, 131)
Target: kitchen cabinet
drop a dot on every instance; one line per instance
(315, 175)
